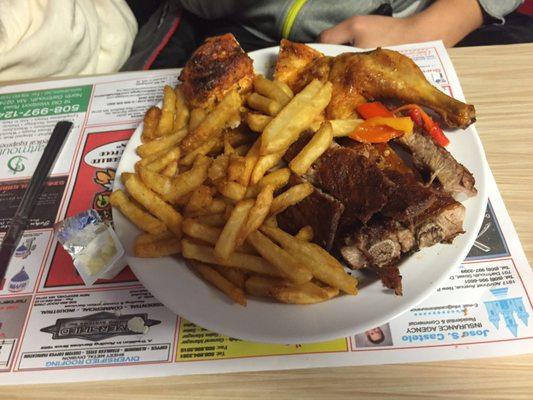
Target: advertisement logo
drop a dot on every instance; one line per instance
(508, 308)
(19, 282)
(25, 249)
(100, 326)
(16, 164)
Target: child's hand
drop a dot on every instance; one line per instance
(370, 31)
(446, 20)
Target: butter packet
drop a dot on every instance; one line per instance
(94, 247)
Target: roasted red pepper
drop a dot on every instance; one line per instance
(371, 110)
(414, 113)
(421, 118)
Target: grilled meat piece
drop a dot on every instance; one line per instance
(354, 180)
(378, 74)
(391, 278)
(380, 242)
(215, 68)
(319, 210)
(408, 199)
(388, 74)
(383, 241)
(453, 176)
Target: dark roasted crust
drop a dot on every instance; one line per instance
(408, 199)
(215, 68)
(319, 210)
(355, 181)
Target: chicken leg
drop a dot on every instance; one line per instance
(387, 74)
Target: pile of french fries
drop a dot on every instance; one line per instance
(208, 187)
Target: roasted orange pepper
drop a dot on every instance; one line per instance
(382, 129)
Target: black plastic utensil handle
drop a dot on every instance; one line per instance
(27, 204)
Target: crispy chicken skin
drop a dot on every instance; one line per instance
(215, 68)
(375, 75)
(345, 97)
(298, 64)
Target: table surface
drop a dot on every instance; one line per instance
(499, 81)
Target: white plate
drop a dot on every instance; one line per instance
(171, 281)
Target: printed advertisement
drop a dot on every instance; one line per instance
(91, 329)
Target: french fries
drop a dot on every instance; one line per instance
(227, 241)
(154, 204)
(284, 87)
(271, 221)
(213, 123)
(182, 114)
(343, 127)
(197, 116)
(245, 262)
(232, 190)
(158, 183)
(157, 248)
(160, 161)
(197, 230)
(153, 237)
(171, 169)
(201, 198)
(324, 270)
(257, 214)
(249, 163)
(216, 220)
(187, 181)
(263, 104)
(257, 122)
(151, 121)
(290, 197)
(269, 89)
(318, 144)
(142, 219)
(306, 234)
(236, 167)
(220, 282)
(205, 148)
(166, 122)
(204, 189)
(288, 266)
(160, 144)
(217, 206)
(278, 178)
(285, 292)
(263, 164)
(234, 275)
(295, 117)
(218, 168)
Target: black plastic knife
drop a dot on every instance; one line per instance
(27, 204)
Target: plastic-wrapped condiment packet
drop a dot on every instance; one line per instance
(93, 246)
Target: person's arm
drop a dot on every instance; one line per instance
(448, 20)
